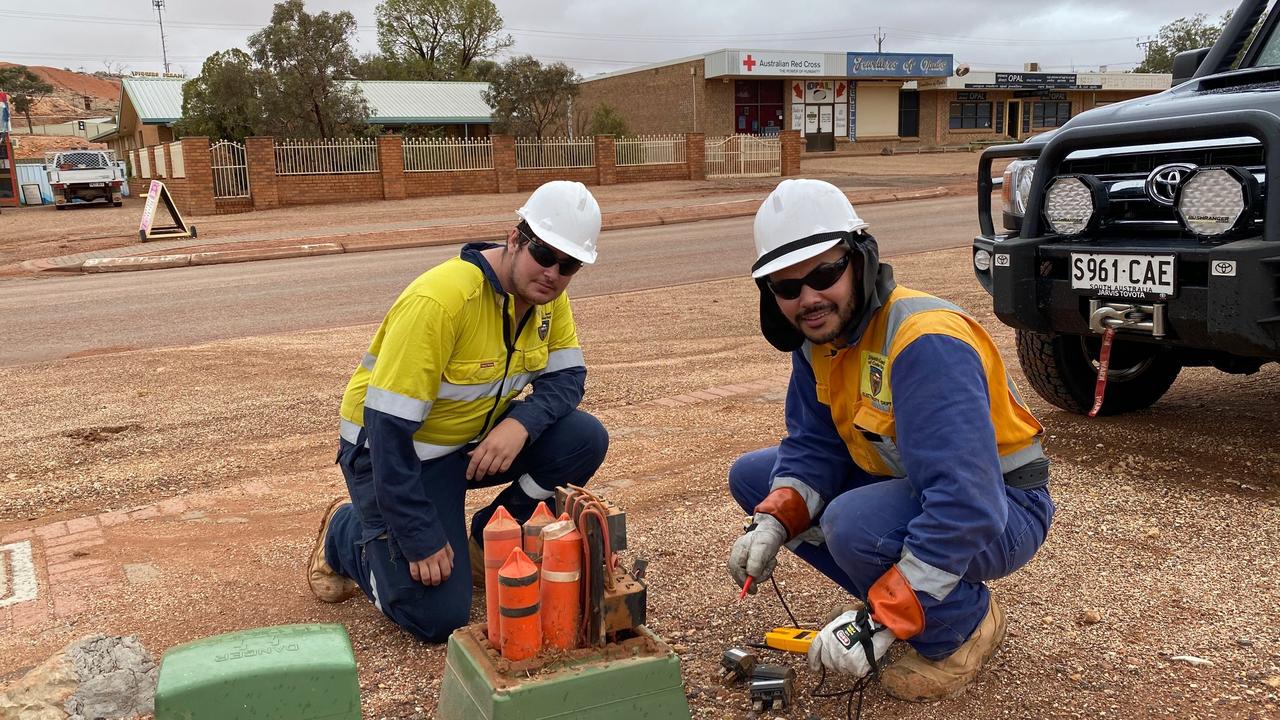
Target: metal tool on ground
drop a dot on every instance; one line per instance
(790, 639)
(772, 687)
(736, 664)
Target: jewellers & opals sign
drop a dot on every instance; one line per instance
(900, 65)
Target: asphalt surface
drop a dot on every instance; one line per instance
(54, 318)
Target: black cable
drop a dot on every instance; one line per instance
(858, 687)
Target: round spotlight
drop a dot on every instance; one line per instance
(982, 260)
(1216, 200)
(1074, 203)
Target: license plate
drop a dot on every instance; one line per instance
(1123, 276)
(97, 184)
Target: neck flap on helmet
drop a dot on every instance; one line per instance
(876, 285)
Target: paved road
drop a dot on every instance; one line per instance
(48, 319)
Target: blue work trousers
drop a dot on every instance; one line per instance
(569, 451)
(865, 528)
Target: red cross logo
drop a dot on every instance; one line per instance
(750, 63)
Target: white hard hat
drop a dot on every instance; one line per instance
(563, 214)
(799, 220)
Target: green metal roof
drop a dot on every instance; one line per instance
(158, 101)
(391, 102)
(413, 102)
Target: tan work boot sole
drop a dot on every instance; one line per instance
(915, 679)
(326, 584)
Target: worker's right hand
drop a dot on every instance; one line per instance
(434, 569)
(756, 552)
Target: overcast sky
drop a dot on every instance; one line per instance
(595, 36)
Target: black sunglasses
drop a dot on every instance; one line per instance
(546, 256)
(819, 278)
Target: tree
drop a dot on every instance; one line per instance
(441, 39)
(25, 89)
(527, 98)
(605, 120)
(224, 102)
(1183, 34)
(304, 60)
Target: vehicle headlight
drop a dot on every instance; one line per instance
(1074, 203)
(1017, 186)
(1216, 200)
(982, 260)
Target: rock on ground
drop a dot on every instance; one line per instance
(99, 676)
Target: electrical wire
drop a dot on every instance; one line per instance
(858, 688)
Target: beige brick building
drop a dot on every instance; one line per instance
(864, 102)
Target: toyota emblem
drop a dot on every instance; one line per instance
(1163, 182)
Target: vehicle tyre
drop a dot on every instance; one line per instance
(193, 231)
(59, 207)
(1063, 370)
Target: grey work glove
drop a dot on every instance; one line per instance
(756, 552)
(839, 647)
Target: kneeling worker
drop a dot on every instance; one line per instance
(911, 472)
(431, 412)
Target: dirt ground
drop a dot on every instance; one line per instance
(37, 232)
(1167, 529)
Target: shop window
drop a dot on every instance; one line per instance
(908, 113)
(758, 106)
(970, 115)
(1051, 114)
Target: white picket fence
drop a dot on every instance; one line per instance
(553, 153)
(649, 150)
(441, 154)
(743, 156)
(326, 157)
(179, 169)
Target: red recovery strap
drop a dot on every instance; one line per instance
(1104, 363)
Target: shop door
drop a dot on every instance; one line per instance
(1014, 119)
(908, 113)
(819, 116)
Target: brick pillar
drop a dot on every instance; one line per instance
(391, 161)
(504, 162)
(791, 146)
(695, 154)
(606, 160)
(151, 161)
(199, 170)
(260, 156)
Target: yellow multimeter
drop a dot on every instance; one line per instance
(790, 639)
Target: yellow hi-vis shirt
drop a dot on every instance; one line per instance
(440, 357)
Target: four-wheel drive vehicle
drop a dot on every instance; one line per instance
(1154, 217)
(84, 176)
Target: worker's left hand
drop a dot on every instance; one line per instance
(838, 646)
(498, 450)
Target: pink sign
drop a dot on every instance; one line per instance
(149, 211)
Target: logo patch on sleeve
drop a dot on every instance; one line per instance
(545, 326)
(875, 378)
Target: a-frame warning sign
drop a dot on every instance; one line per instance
(148, 230)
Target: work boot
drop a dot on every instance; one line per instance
(477, 564)
(326, 584)
(915, 679)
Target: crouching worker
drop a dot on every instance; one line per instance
(431, 413)
(911, 472)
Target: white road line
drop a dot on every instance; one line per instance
(22, 573)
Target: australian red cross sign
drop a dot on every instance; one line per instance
(783, 64)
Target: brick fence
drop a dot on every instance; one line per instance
(194, 194)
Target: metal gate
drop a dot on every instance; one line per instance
(743, 156)
(230, 172)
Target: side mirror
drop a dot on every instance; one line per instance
(1186, 62)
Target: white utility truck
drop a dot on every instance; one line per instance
(84, 176)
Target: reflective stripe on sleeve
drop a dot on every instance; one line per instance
(563, 359)
(369, 361)
(533, 489)
(392, 403)
(926, 578)
(1015, 460)
(812, 499)
(349, 431)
